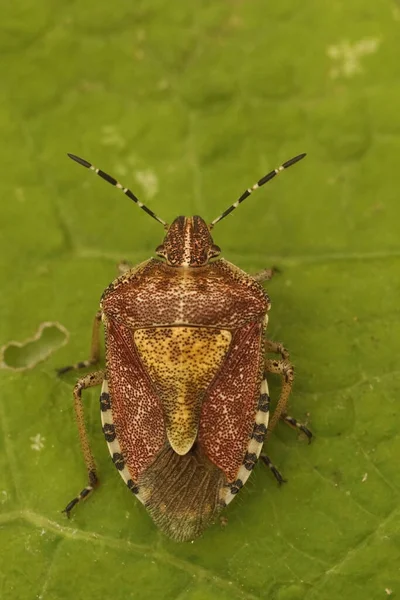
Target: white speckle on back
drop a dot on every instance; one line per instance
(37, 442)
(346, 56)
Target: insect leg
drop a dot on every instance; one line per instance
(265, 274)
(296, 425)
(88, 381)
(285, 369)
(277, 474)
(276, 348)
(94, 349)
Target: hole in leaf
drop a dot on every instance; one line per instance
(19, 356)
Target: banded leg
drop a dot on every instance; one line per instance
(285, 369)
(88, 381)
(277, 474)
(292, 422)
(94, 349)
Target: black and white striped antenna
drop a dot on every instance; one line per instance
(118, 185)
(259, 183)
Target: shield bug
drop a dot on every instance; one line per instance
(184, 400)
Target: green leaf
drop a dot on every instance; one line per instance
(189, 104)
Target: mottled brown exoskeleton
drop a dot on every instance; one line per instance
(184, 400)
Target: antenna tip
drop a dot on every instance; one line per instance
(294, 160)
(299, 157)
(79, 160)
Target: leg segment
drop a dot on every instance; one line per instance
(265, 274)
(296, 425)
(278, 476)
(284, 368)
(94, 349)
(88, 381)
(276, 348)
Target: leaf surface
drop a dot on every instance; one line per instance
(189, 104)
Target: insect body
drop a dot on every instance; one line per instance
(184, 400)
